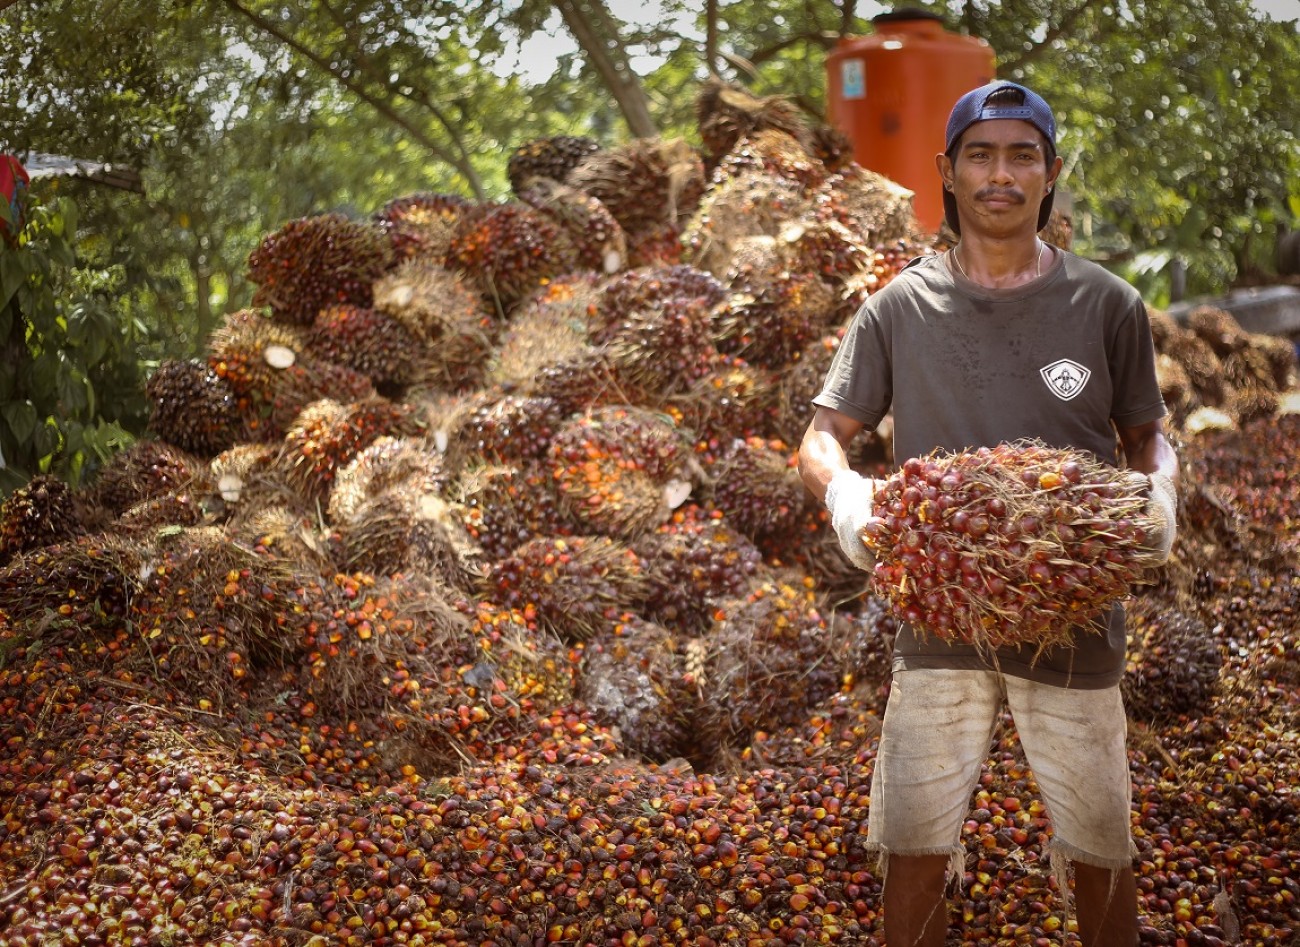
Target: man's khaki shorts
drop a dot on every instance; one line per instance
(937, 731)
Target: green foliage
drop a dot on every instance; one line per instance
(69, 383)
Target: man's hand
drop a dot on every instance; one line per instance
(849, 497)
(1162, 510)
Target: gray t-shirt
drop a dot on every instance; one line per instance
(1059, 359)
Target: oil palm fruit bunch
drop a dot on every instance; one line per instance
(88, 582)
(733, 398)
(747, 204)
(647, 184)
(406, 462)
(549, 328)
(146, 469)
(314, 262)
(509, 250)
(658, 351)
(648, 287)
(433, 303)
(773, 153)
(634, 679)
(367, 341)
(405, 531)
(872, 206)
(420, 225)
(773, 312)
(757, 487)
(831, 147)
(725, 113)
(1008, 545)
(327, 435)
(39, 513)
(552, 157)
(620, 470)
(598, 241)
(504, 506)
(693, 562)
(575, 585)
(191, 406)
(501, 429)
(1218, 329)
(1173, 663)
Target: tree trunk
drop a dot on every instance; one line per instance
(607, 56)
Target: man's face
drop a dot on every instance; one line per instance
(999, 176)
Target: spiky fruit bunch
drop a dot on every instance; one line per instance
(502, 429)
(770, 657)
(552, 157)
(1173, 663)
(420, 225)
(1008, 545)
(531, 669)
(389, 462)
(750, 204)
(182, 508)
(290, 536)
(502, 507)
(651, 287)
(597, 240)
(314, 262)
(831, 147)
(634, 678)
(144, 470)
(273, 375)
(774, 313)
(327, 435)
(87, 582)
(1249, 379)
(372, 343)
(657, 351)
(508, 250)
(576, 586)
(646, 184)
(1219, 329)
(192, 407)
(872, 206)
(246, 477)
(757, 487)
(726, 113)
(432, 302)
(620, 470)
(39, 513)
(1193, 354)
(404, 531)
(661, 245)
(884, 263)
(1281, 357)
(773, 153)
(826, 247)
(694, 562)
(732, 399)
(548, 328)
(1059, 229)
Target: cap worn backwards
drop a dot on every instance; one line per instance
(974, 107)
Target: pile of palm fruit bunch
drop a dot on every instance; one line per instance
(466, 593)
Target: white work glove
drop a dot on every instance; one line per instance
(1162, 509)
(848, 500)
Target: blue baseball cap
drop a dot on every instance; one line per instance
(974, 107)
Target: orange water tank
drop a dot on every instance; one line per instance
(891, 93)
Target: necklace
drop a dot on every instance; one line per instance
(1038, 260)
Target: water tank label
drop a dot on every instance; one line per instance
(853, 79)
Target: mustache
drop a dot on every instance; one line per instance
(1000, 194)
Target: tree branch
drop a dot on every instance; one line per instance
(618, 77)
(822, 38)
(384, 108)
(1064, 26)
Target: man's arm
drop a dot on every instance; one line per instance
(822, 453)
(1147, 450)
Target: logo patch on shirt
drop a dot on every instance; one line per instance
(1065, 378)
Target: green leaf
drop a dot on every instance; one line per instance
(21, 418)
(13, 273)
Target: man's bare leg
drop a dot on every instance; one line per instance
(1106, 905)
(916, 912)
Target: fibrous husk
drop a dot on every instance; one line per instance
(246, 479)
(750, 204)
(192, 407)
(313, 262)
(620, 470)
(406, 462)
(547, 329)
(872, 206)
(772, 312)
(1219, 329)
(433, 303)
(757, 487)
(147, 469)
(576, 586)
(732, 399)
(772, 153)
(634, 678)
(1009, 545)
(646, 183)
(725, 113)
(406, 531)
(420, 225)
(289, 535)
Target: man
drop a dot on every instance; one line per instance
(1002, 337)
